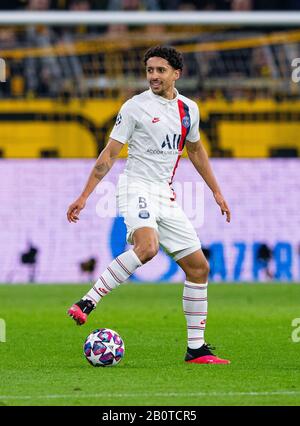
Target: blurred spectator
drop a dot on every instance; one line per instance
(41, 37)
(38, 4)
(259, 63)
(7, 38)
(133, 5)
(44, 83)
(129, 5)
(187, 6)
(80, 5)
(83, 6)
(241, 5)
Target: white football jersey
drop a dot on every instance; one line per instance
(156, 130)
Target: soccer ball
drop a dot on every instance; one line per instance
(103, 348)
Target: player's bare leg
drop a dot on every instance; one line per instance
(146, 243)
(195, 266)
(196, 269)
(145, 248)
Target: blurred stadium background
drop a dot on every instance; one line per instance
(63, 88)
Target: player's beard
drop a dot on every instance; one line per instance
(160, 90)
(157, 90)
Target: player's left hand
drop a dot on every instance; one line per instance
(223, 205)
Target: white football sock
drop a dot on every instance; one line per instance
(195, 311)
(115, 274)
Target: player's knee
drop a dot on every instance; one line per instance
(146, 251)
(199, 273)
(149, 252)
(206, 268)
(204, 271)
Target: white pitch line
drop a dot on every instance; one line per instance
(133, 395)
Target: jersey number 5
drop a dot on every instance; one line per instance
(142, 203)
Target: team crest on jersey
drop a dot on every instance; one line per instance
(186, 122)
(144, 214)
(118, 119)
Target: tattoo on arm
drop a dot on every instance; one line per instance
(101, 170)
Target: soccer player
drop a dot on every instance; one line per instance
(157, 124)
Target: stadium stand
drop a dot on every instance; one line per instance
(64, 85)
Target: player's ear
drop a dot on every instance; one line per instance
(177, 74)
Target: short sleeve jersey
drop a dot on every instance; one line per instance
(156, 130)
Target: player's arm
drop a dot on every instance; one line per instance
(199, 158)
(102, 166)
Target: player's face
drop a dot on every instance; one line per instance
(161, 77)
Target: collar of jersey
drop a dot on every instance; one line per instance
(164, 100)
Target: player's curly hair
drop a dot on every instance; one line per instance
(166, 52)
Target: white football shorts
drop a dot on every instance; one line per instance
(147, 204)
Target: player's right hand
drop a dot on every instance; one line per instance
(74, 209)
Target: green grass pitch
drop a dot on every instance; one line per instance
(42, 362)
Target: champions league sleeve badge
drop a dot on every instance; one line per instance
(118, 119)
